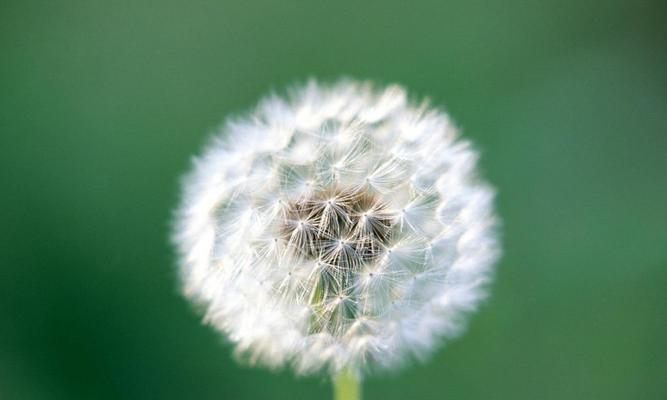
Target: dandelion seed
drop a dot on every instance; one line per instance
(339, 229)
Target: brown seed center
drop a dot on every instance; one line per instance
(340, 227)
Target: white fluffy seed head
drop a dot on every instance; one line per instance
(341, 227)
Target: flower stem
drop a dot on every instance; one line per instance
(346, 386)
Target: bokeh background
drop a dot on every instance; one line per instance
(102, 105)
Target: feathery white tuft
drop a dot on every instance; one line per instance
(342, 227)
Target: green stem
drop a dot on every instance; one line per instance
(346, 386)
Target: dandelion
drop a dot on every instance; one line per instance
(341, 229)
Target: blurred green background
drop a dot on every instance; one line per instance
(102, 104)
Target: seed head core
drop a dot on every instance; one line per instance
(340, 228)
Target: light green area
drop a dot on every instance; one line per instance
(346, 387)
(102, 104)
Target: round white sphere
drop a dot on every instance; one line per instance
(341, 227)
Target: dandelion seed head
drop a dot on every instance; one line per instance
(339, 227)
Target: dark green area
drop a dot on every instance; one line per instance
(102, 104)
